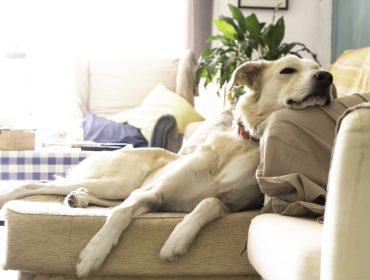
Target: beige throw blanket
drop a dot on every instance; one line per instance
(295, 157)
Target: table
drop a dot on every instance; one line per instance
(40, 165)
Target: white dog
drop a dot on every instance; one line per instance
(217, 178)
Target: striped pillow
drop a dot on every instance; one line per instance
(351, 72)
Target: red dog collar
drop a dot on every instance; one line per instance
(245, 134)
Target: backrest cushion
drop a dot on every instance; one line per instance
(116, 85)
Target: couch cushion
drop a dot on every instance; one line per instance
(46, 237)
(281, 247)
(119, 84)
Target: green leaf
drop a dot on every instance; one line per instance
(226, 28)
(286, 48)
(206, 54)
(279, 31)
(273, 36)
(239, 17)
(239, 32)
(230, 21)
(202, 72)
(253, 26)
(225, 41)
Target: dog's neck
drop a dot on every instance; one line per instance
(251, 114)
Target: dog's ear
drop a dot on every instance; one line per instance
(334, 91)
(248, 74)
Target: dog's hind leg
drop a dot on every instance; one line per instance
(29, 188)
(59, 187)
(83, 198)
(185, 232)
(98, 248)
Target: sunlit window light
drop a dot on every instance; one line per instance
(51, 33)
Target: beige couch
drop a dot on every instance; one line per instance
(44, 237)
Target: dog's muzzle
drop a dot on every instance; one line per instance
(322, 81)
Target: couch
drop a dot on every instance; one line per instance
(44, 237)
(152, 94)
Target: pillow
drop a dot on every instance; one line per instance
(351, 72)
(102, 130)
(160, 101)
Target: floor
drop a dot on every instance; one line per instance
(5, 275)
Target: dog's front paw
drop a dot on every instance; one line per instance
(78, 198)
(173, 249)
(92, 256)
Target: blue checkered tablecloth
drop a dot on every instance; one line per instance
(38, 165)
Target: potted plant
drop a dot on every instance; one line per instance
(243, 38)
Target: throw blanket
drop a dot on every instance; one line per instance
(295, 157)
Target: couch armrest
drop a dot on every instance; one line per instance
(346, 236)
(165, 134)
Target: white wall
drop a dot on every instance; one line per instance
(306, 21)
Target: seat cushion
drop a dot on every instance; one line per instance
(282, 247)
(46, 237)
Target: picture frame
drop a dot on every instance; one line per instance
(263, 4)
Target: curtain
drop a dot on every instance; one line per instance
(351, 23)
(199, 24)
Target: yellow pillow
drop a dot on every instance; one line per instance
(160, 101)
(351, 72)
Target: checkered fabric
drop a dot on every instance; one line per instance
(38, 165)
(351, 72)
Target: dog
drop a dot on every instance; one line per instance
(207, 182)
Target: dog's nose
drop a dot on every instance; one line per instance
(323, 77)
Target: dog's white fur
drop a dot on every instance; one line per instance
(217, 178)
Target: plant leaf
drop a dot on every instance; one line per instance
(206, 54)
(273, 36)
(226, 28)
(253, 26)
(239, 17)
(279, 31)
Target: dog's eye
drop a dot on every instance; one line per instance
(288, 70)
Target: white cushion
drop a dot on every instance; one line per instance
(109, 85)
(117, 85)
(281, 247)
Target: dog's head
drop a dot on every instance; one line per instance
(287, 82)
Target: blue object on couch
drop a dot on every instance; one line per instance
(102, 130)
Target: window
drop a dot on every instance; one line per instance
(52, 32)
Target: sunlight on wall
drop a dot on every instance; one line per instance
(53, 32)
